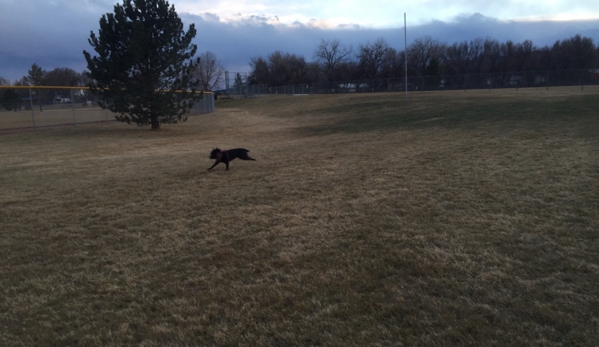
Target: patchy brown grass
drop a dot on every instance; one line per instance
(463, 218)
(52, 117)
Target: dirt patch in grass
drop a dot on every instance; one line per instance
(447, 220)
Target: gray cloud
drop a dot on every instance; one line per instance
(55, 36)
(236, 45)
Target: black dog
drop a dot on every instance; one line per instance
(228, 155)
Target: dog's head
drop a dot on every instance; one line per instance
(214, 153)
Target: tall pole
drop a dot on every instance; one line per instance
(405, 32)
(227, 83)
(73, 108)
(31, 105)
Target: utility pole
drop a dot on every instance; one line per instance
(405, 31)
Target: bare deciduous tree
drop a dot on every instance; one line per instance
(491, 56)
(422, 51)
(330, 54)
(208, 71)
(393, 65)
(281, 69)
(457, 57)
(23, 81)
(576, 52)
(61, 76)
(260, 73)
(371, 58)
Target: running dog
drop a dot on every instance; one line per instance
(223, 156)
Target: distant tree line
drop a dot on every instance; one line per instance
(207, 72)
(332, 61)
(11, 99)
(62, 76)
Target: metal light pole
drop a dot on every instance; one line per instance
(31, 105)
(405, 31)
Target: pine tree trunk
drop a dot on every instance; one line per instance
(155, 123)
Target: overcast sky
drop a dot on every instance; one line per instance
(53, 33)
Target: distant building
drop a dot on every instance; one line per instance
(352, 87)
(27, 102)
(59, 99)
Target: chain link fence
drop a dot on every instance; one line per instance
(244, 90)
(32, 107)
(545, 79)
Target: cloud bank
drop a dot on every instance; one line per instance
(54, 35)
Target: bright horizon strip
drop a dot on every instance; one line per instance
(331, 14)
(345, 24)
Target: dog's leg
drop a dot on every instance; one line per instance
(245, 156)
(227, 163)
(215, 165)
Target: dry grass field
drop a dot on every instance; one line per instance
(52, 117)
(450, 219)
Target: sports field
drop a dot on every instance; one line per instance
(449, 219)
(10, 120)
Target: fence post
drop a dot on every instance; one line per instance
(73, 108)
(31, 105)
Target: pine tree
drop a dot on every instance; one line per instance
(238, 80)
(36, 75)
(143, 70)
